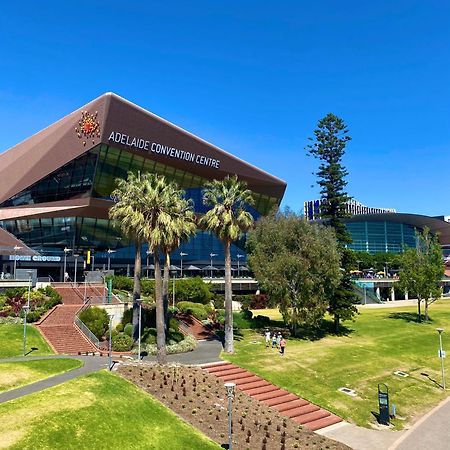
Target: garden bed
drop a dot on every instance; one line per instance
(200, 399)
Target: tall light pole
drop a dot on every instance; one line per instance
(230, 394)
(174, 276)
(181, 259)
(110, 343)
(238, 256)
(76, 267)
(16, 247)
(66, 250)
(139, 302)
(441, 356)
(109, 257)
(211, 256)
(25, 310)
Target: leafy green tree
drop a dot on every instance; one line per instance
(228, 219)
(328, 145)
(297, 264)
(422, 270)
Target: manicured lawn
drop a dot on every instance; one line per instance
(11, 341)
(19, 373)
(379, 342)
(98, 411)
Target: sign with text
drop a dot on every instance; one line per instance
(161, 149)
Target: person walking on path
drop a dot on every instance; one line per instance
(282, 346)
(267, 335)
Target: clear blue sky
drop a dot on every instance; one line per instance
(253, 78)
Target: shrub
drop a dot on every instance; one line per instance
(15, 292)
(96, 319)
(186, 345)
(122, 342)
(119, 327)
(148, 288)
(176, 336)
(128, 329)
(174, 324)
(196, 309)
(218, 301)
(122, 283)
(193, 290)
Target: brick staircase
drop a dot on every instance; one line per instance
(190, 325)
(290, 405)
(58, 326)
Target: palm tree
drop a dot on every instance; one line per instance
(127, 216)
(228, 219)
(181, 227)
(148, 209)
(165, 212)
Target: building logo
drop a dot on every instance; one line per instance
(88, 127)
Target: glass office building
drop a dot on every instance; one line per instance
(56, 186)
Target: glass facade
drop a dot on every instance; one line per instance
(381, 237)
(93, 174)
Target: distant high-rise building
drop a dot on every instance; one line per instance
(352, 207)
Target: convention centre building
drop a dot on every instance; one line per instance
(55, 186)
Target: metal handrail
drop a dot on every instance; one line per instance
(87, 332)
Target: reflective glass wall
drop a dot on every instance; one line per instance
(381, 237)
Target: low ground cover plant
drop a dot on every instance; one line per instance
(200, 399)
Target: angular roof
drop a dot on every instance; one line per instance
(112, 120)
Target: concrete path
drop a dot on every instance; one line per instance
(360, 438)
(432, 431)
(205, 352)
(91, 364)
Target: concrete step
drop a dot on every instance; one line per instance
(272, 394)
(280, 400)
(262, 390)
(295, 412)
(297, 403)
(311, 417)
(255, 384)
(323, 423)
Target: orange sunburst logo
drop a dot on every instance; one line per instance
(88, 127)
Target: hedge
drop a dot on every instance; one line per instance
(198, 310)
(96, 319)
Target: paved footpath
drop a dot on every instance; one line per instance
(91, 364)
(431, 432)
(205, 352)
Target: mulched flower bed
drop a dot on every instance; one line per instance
(200, 399)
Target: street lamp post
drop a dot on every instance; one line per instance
(211, 256)
(16, 247)
(110, 343)
(139, 302)
(66, 250)
(174, 276)
(109, 257)
(76, 267)
(441, 356)
(230, 394)
(181, 261)
(238, 258)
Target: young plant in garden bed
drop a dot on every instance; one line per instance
(177, 387)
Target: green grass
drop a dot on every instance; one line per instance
(98, 411)
(11, 341)
(19, 373)
(378, 342)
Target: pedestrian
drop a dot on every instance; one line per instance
(282, 346)
(278, 340)
(274, 340)
(267, 336)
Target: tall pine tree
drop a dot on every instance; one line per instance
(328, 145)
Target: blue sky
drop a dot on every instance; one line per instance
(253, 78)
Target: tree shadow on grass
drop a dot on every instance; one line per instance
(409, 317)
(326, 328)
